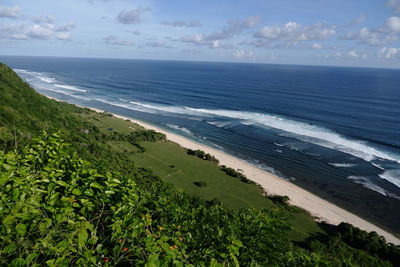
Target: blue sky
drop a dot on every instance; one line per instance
(318, 32)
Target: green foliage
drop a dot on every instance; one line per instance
(369, 242)
(281, 200)
(203, 155)
(57, 210)
(232, 172)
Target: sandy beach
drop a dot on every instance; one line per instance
(319, 208)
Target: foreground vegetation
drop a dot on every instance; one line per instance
(86, 193)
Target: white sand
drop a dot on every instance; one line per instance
(319, 208)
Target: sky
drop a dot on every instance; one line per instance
(362, 33)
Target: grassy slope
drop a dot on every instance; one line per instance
(160, 157)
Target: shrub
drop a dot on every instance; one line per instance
(203, 155)
(232, 172)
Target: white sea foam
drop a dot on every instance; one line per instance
(378, 166)
(46, 79)
(59, 91)
(278, 144)
(123, 105)
(219, 124)
(70, 87)
(392, 176)
(308, 133)
(342, 165)
(248, 122)
(368, 184)
(180, 128)
(82, 97)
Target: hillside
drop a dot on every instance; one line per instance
(87, 190)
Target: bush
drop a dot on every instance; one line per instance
(232, 172)
(203, 155)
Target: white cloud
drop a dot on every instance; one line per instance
(40, 32)
(393, 24)
(291, 33)
(36, 31)
(213, 40)
(389, 53)
(44, 19)
(13, 31)
(316, 46)
(354, 54)
(193, 39)
(133, 16)
(180, 23)
(358, 20)
(66, 27)
(243, 54)
(381, 36)
(234, 28)
(394, 4)
(251, 22)
(112, 40)
(11, 12)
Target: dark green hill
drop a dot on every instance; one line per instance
(75, 196)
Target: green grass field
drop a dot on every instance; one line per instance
(171, 162)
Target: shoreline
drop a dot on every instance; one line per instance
(320, 209)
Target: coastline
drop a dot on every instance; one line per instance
(320, 209)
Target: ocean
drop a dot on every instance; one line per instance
(334, 131)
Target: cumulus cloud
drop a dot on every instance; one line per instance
(291, 33)
(358, 20)
(44, 19)
(394, 4)
(180, 23)
(11, 12)
(133, 16)
(243, 54)
(65, 28)
(35, 31)
(213, 40)
(355, 54)
(202, 40)
(350, 54)
(234, 28)
(113, 40)
(389, 53)
(392, 25)
(381, 36)
(316, 46)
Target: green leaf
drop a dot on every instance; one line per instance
(18, 262)
(82, 238)
(109, 192)
(21, 229)
(96, 185)
(76, 192)
(30, 258)
(10, 249)
(62, 183)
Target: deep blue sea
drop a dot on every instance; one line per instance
(332, 130)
